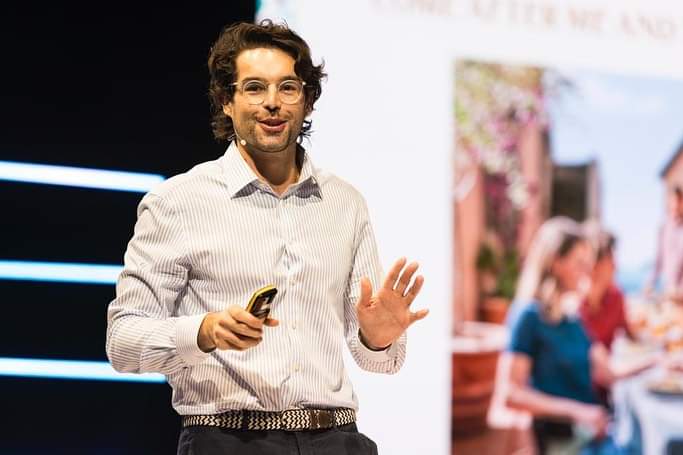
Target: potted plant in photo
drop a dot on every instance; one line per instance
(498, 258)
(498, 269)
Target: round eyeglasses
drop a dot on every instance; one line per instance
(255, 91)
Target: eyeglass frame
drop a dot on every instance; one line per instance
(241, 89)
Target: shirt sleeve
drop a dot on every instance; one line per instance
(366, 263)
(522, 332)
(143, 333)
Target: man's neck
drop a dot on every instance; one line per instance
(278, 169)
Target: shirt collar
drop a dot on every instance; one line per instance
(239, 176)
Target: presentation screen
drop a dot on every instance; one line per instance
(466, 124)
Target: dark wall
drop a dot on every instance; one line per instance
(107, 87)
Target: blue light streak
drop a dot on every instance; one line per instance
(78, 177)
(59, 272)
(70, 369)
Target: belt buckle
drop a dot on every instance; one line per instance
(320, 419)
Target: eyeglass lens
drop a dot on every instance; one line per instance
(289, 91)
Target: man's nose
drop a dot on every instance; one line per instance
(272, 100)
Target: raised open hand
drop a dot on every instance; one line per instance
(385, 315)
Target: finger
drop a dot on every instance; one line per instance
(414, 317)
(270, 322)
(365, 292)
(225, 345)
(230, 323)
(405, 277)
(240, 328)
(414, 290)
(221, 341)
(222, 345)
(241, 315)
(234, 347)
(239, 342)
(392, 276)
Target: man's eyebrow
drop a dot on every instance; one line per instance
(288, 77)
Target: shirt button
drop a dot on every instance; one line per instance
(296, 367)
(293, 325)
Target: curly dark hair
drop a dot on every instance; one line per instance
(222, 68)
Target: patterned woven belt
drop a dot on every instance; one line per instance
(290, 420)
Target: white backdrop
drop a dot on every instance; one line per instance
(385, 123)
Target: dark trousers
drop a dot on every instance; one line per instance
(344, 440)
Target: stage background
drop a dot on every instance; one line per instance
(104, 86)
(125, 89)
(386, 123)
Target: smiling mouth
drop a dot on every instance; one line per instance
(272, 121)
(272, 125)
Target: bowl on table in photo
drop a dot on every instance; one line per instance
(655, 322)
(670, 385)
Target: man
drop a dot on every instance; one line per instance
(603, 310)
(259, 215)
(669, 260)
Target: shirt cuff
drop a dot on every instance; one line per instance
(187, 330)
(377, 356)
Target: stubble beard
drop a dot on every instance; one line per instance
(260, 140)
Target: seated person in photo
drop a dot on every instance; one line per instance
(602, 311)
(551, 364)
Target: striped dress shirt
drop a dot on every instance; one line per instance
(210, 237)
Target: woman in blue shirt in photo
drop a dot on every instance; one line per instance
(550, 365)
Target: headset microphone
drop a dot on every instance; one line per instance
(242, 142)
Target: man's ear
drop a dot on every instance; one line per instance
(227, 109)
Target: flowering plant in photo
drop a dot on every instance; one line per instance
(493, 104)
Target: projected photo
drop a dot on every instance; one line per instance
(550, 164)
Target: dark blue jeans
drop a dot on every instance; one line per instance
(344, 440)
